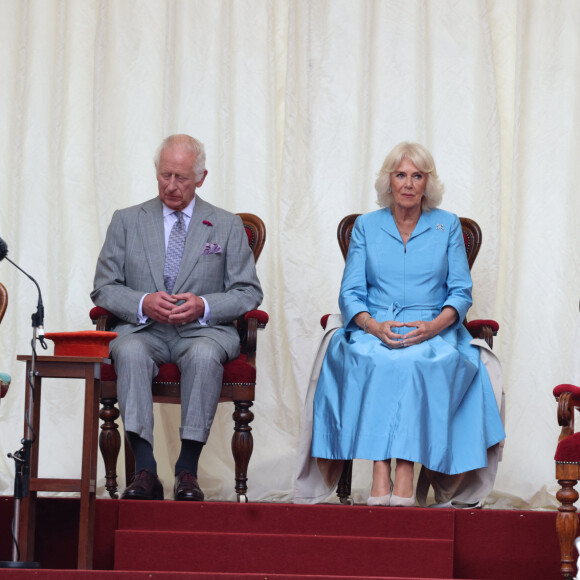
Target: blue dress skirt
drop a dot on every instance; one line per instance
(430, 403)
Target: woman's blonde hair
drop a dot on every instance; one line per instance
(424, 162)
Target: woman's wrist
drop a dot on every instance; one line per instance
(362, 320)
(366, 323)
(446, 318)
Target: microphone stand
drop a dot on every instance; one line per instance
(22, 456)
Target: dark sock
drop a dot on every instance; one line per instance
(143, 453)
(189, 456)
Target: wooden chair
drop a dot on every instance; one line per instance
(4, 378)
(239, 383)
(567, 473)
(485, 329)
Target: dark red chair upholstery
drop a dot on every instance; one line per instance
(567, 473)
(485, 329)
(239, 383)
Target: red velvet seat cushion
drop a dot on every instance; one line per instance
(236, 371)
(565, 388)
(108, 373)
(568, 450)
(239, 371)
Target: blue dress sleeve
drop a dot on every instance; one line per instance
(459, 282)
(353, 289)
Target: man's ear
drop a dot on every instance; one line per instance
(200, 182)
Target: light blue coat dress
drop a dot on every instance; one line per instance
(431, 403)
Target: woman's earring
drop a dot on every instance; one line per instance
(389, 190)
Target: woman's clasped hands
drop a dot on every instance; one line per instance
(423, 330)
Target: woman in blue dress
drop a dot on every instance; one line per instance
(401, 380)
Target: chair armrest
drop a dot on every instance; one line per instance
(259, 315)
(568, 397)
(572, 389)
(248, 326)
(485, 329)
(103, 319)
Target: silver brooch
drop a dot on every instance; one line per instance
(441, 227)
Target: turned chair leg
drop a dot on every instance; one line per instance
(344, 484)
(110, 443)
(242, 445)
(567, 524)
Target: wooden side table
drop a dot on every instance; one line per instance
(64, 367)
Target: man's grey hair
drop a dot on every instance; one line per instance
(196, 147)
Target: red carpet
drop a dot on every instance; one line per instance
(161, 540)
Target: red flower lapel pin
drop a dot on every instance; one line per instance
(207, 223)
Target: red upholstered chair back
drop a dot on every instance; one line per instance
(256, 232)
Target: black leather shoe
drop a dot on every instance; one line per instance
(145, 485)
(186, 487)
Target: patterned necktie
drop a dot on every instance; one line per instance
(174, 252)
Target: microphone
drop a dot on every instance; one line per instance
(38, 317)
(3, 249)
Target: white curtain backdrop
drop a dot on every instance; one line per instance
(297, 102)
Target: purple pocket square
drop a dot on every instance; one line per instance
(211, 249)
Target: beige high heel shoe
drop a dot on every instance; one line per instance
(397, 501)
(383, 500)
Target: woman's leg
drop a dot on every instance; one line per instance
(403, 494)
(381, 478)
(404, 474)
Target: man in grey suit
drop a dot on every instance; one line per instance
(177, 272)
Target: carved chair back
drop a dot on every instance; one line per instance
(471, 236)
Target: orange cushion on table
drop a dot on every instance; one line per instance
(83, 343)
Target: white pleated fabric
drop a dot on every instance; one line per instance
(298, 102)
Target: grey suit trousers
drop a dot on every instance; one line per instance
(137, 357)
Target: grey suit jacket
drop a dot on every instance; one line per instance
(132, 259)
